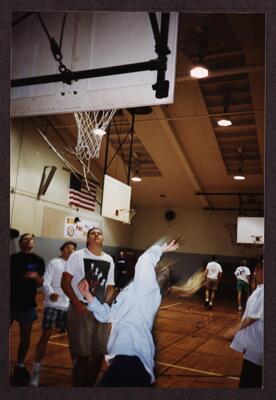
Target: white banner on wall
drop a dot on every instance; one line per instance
(78, 229)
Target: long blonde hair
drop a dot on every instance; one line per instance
(184, 288)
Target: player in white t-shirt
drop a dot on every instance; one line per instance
(242, 274)
(249, 336)
(213, 275)
(56, 305)
(87, 337)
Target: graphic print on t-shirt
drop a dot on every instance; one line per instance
(96, 272)
(31, 267)
(242, 273)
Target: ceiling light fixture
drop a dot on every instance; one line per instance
(136, 177)
(240, 176)
(225, 121)
(199, 70)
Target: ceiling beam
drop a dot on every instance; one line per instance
(171, 133)
(234, 209)
(172, 118)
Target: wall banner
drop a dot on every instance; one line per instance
(77, 228)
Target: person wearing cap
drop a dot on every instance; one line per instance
(87, 336)
(56, 305)
(26, 272)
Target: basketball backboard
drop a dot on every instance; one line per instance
(116, 200)
(91, 40)
(250, 230)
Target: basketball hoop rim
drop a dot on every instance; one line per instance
(131, 212)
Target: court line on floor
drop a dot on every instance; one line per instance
(174, 366)
(197, 370)
(56, 336)
(171, 305)
(58, 344)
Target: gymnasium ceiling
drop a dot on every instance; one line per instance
(179, 148)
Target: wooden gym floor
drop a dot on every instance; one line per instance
(191, 349)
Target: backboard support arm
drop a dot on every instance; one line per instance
(161, 87)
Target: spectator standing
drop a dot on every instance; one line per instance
(26, 272)
(56, 305)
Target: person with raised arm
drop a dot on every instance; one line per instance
(130, 349)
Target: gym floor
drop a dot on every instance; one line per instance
(190, 344)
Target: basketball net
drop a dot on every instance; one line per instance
(91, 129)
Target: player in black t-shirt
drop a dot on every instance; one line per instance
(26, 271)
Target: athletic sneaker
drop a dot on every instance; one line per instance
(206, 303)
(210, 306)
(21, 374)
(35, 378)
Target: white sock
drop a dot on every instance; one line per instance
(36, 366)
(211, 303)
(207, 300)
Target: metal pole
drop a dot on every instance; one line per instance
(130, 148)
(162, 85)
(69, 76)
(105, 161)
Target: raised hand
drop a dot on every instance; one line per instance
(83, 287)
(172, 246)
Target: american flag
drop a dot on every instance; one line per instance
(79, 195)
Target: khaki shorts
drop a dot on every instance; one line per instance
(212, 284)
(86, 335)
